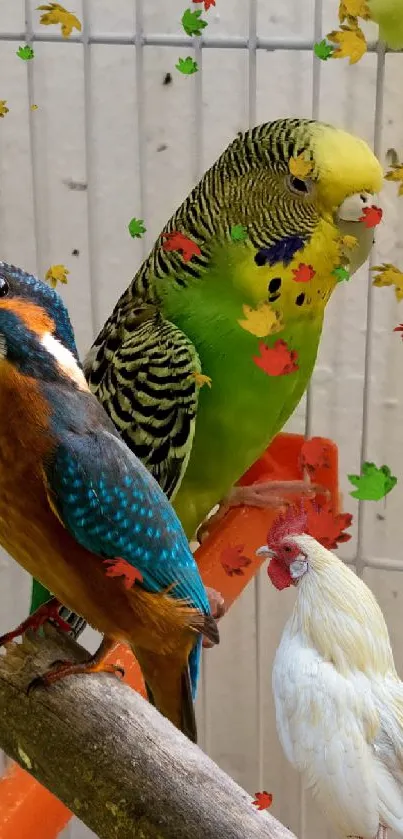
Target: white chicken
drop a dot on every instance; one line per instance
(338, 698)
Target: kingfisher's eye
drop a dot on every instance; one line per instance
(4, 287)
(298, 185)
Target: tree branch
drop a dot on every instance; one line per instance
(120, 766)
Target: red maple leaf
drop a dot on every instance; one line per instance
(371, 216)
(399, 329)
(232, 560)
(207, 3)
(121, 568)
(263, 800)
(304, 273)
(176, 241)
(277, 360)
(314, 455)
(326, 526)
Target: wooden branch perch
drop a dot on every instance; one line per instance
(120, 766)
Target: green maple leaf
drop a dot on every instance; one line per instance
(192, 22)
(323, 50)
(136, 228)
(373, 483)
(238, 233)
(26, 52)
(187, 66)
(341, 274)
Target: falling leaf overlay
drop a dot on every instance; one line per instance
(3, 108)
(193, 22)
(278, 360)
(57, 274)
(136, 228)
(353, 9)
(187, 66)
(261, 321)
(34, 107)
(55, 13)
(350, 43)
(348, 242)
(389, 275)
(300, 166)
(341, 273)
(263, 800)
(314, 454)
(373, 483)
(326, 526)
(26, 52)
(304, 273)
(399, 329)
(371, 216)
(201, 379)
(207, 3)
(323, 50)
(396, 174)
(176, 241)
(122, 568)
(238, 233)
(233, 560)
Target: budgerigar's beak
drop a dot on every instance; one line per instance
(351, 209)
(348, 221)
(266, 552)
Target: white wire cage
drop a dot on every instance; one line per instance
(113, 138)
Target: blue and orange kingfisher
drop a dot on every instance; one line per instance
(81, 514)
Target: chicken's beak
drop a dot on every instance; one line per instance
(265, 552)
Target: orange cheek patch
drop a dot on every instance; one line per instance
(35, 318)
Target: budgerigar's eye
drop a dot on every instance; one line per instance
(4, 287)
(299, 186)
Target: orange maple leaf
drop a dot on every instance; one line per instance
(304, 273)
(371, 216)
(278, 360)
(177, 241)
(232, 560)
(207, 3)
(314, 454)
(399, 329)
(326, 526)
(263, 800)
(121, 568)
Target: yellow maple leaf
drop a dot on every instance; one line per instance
(3, 108)
(396, 174)
(353, 9)
(34, 107)
(388, 274)
(57, 274)
(55, 13)
(351, 43)
(201, 379)
(261, 321)
(300, 166)
(348, 242)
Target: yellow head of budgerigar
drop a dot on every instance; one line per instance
(344, 165)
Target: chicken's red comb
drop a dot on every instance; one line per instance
(294, 522)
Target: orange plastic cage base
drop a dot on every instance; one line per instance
(27, 809)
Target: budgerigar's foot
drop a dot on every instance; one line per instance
(218, 609)
(95, 664)
(264, 494)
(48, 611)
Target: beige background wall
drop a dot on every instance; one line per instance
(183, 127)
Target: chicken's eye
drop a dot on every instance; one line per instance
(287, 548)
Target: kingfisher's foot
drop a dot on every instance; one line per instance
(264, 494)
(48, 611)
(95, 664)
(218, 609)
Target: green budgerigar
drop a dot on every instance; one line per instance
(210, 349)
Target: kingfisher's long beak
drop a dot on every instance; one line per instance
(265, 552)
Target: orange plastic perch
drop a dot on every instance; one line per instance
(28, 810)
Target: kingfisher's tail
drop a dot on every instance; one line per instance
(169, 688)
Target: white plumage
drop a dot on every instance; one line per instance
(338, 699)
